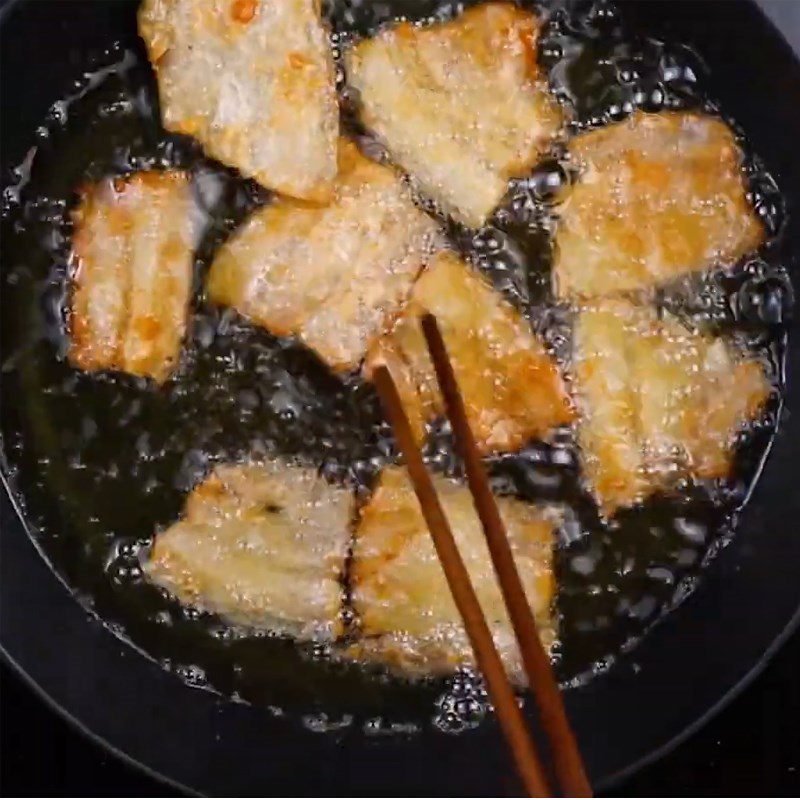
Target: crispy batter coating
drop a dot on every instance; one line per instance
(334, 276)
(263, 545)
(253, 81)
(132, 257)
(657, 402)
(511, 387)
(659, 195)
(461, 105)
(400, 594)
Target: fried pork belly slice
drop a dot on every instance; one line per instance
(333, 276)
(461, 105)
(694, 396)
(253, 81)
(659, 195)
(133, 250)
(406, 613)
(511, 387)
(657, 402)
(263, 545)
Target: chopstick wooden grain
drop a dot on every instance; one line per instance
(500, 691)
(569, 768)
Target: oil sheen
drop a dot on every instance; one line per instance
(100, 462)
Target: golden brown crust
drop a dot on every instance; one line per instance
(605, 393)
(335, 276)
(253, 81)
(262, 545)
(405, 611)
(244, 10)
(132, 256)
(511, 387)
(658, 403)
(461, 105)
(659, 195)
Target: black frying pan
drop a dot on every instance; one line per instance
(683, 671)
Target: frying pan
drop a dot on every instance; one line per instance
(683, 672)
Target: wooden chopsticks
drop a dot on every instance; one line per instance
(502, 695)
(567, 760)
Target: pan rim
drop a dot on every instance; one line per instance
(604, 783)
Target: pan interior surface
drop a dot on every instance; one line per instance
(98, 464)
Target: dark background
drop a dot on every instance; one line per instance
(751, 748)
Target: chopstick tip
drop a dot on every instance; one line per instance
(428, 322)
